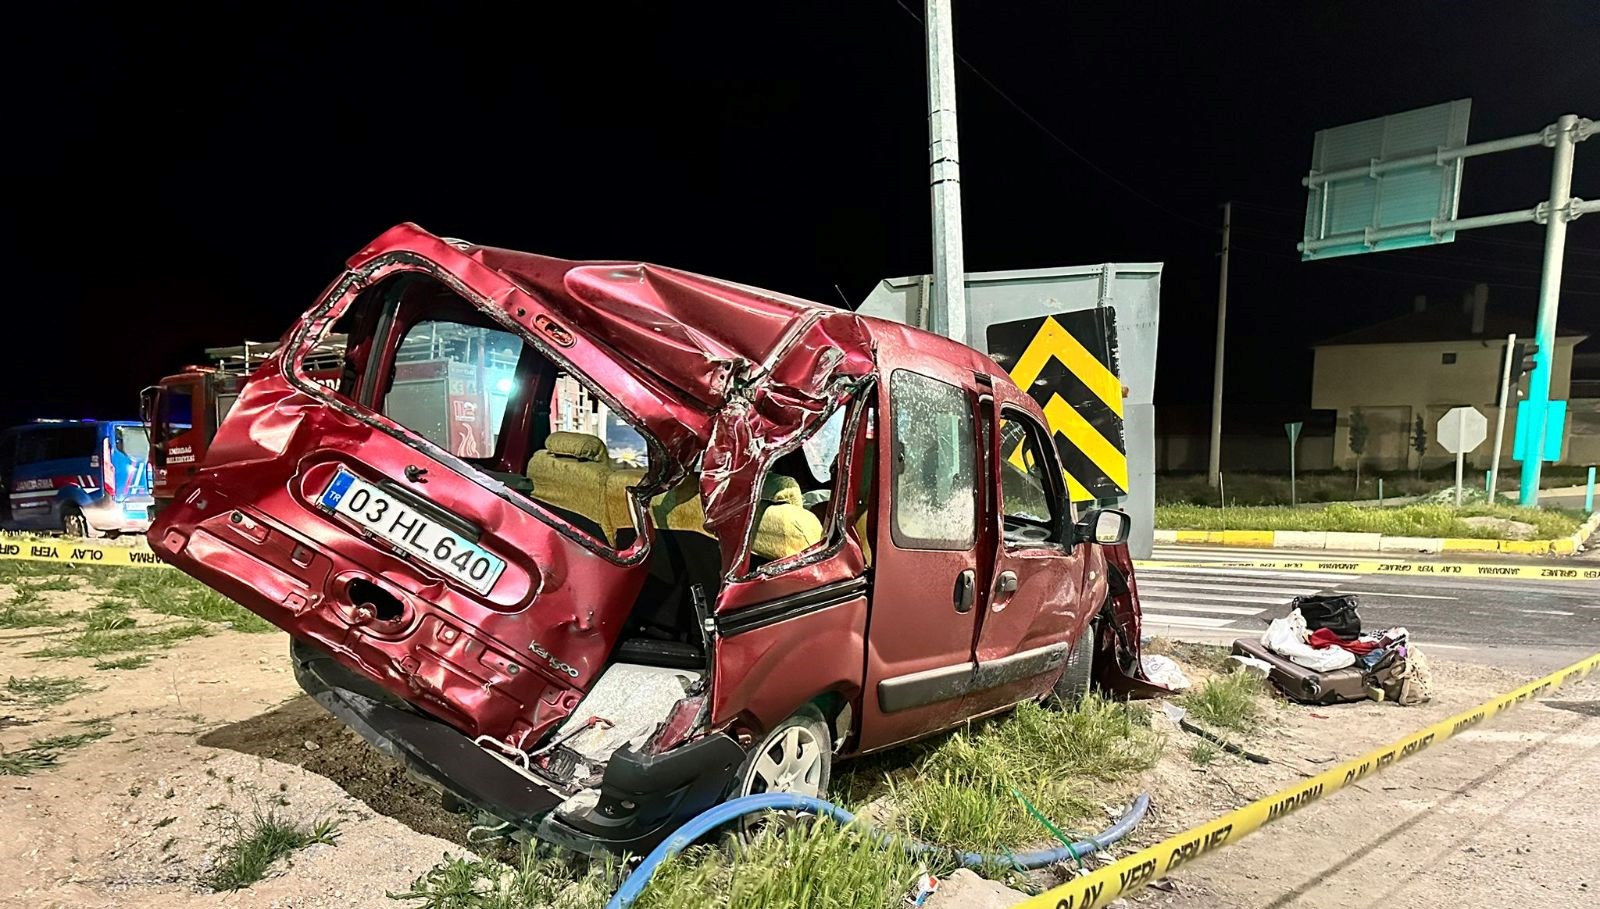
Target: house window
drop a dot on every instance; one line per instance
(1448, 359)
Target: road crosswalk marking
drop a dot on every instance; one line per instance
(1230, 600)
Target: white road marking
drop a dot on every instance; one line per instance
(1183, 621)
(1403, 596)
(1235, 598)
(1188, 607)
(1286, 575)
(1162, 583)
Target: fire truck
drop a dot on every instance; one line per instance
(181, 413)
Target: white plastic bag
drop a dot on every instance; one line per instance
(1164, 672)
(1287, 637)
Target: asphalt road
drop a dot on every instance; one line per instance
(1520, 624)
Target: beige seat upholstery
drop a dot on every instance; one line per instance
(783, 525)
(570, 473)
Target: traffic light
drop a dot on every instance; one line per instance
(1522, 363)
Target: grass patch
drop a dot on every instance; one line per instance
(1203, 753)
(1230, 701)
(132, 661)
(44, 691)
(254, 847)
(1406, 520)
(176, 594)
(27, 612)
(963, 791)
(540, 878)
(42, 754)
(93, 644)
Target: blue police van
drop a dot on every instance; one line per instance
(80, 477)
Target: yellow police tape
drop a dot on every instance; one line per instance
(78, 552)
(1394, 566)
(1124, 876)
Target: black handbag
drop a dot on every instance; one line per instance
(1335, 612)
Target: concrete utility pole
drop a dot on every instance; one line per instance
(948, 314)
(1555, 250)
(1214, 463)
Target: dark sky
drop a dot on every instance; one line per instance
(183, 180)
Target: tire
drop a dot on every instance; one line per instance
(1074, 682)
(796, 756)
(73, 523)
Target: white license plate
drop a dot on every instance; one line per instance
(417, 533)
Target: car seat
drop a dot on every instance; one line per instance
(571, 474)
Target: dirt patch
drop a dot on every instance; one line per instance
(302, 734)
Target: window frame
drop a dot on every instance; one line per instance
(1062, 513)
(348, 292)
(903, 540)
(855, 407)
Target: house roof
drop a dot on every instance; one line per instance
(1445, 323)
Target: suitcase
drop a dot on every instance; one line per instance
(1308, 686)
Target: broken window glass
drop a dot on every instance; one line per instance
(935, 492)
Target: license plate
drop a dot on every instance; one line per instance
(136, 514)
(416, 532)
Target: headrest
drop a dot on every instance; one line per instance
(577, 445)
(779, 489)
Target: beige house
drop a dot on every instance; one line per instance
(1423, 364)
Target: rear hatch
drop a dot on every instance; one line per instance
(392, 521)
(125, 465)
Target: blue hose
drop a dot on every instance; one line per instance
(782, 801)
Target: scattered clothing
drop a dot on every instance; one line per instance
(1324, 637)
(1287, 637)
(1164, 672)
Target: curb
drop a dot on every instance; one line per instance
(1377, 542)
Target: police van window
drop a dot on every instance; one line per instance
(451, 382)
(1027, 498)
(57, 443)
(132, 442)
(935, 491)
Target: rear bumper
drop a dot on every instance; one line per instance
(642, 799)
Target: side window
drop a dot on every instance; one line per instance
(935, 491)
(177, 410)
(1027, 498)
(132, 442)
(451, 383)
(795, 513)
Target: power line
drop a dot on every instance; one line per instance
(1038, 124)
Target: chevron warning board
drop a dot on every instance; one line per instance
(1068, 363)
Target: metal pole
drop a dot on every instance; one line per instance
(948, 314)
(1500, 417)
(1588, 495)
(1555, 249)
(1214, 462)
(1461, 458)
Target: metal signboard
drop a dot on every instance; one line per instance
(1462, 429)
(1356, 190)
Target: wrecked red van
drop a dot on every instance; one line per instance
(593, 546)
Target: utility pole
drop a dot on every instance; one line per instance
(1500, 416)
(948, 314)
(1214, 463)
(1555, 250)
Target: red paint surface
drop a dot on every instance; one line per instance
(721, 376)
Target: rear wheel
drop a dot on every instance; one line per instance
(73, 523)
(796, 756)
(1074, 682)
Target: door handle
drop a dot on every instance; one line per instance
(966, 590)
(1006, 583)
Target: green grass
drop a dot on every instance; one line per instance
(43, 691)
(253, 848)
(1335, 485)
(42, 754)
(963, 791)
(1203, 753)
(1407, 520)
(96, 644)
(540, 878)
(132, 661)
(176, 594)
(23, 612)
(1232, 701)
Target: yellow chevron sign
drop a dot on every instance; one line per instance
(1081, 397)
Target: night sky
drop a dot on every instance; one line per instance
(184, 180)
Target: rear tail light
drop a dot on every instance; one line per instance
(108, 470)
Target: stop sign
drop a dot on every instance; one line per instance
(1462, 429)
